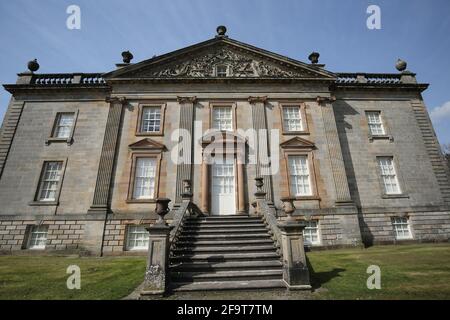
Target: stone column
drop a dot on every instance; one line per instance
(156, 275)
(295, 268)
(184, 170)
(105, 171)
(334, 148)
(205, 187)
(262, 144)
(241, 187)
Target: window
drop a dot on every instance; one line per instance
(375, 124)
(151, 119)
(221, 71)
(311, 233)
(37, 237)
(292, 119)
(144, 179)
(299, 175)
(388, 175)
(137, 238)
(401, 228)
(223, 118)
(50, 178)
(64, 124)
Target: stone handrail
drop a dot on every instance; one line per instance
(270, 218)
(62, 79)
(368, 78)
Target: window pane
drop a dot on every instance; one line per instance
(311, 233)
(151, 119)
(223, 118)
(64, 125)
(221, 71)
(292, 120)
(38, 237)
(375, 123)
(401, 228)
(137, 237)
(50, 180)
(144, 180)
(388, 175)
(299, 175)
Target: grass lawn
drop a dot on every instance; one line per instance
(407, 272)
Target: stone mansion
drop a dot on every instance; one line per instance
(83, 157)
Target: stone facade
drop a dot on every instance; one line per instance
(94, 204)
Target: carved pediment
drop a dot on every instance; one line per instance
(147, 144)
(235, 60)
(297, 143)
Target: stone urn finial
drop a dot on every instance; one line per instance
(288, 207)
(314, 57)
(259, 182)
(127, 56)
(162, 208)
(401, 65)
(33, 65)
(221, 31)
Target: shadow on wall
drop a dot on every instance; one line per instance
(341, 110)
(317, 279)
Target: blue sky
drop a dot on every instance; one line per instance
(414, 30)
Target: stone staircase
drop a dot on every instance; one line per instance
(225, 252)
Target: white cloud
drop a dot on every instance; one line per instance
(441, 113)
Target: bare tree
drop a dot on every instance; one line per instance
(446, 152)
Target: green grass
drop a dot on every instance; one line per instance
(44, 277)
(407, 272)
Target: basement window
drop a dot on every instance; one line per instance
(137, 238)
(37, 237)
(311, 233)
(401, 228)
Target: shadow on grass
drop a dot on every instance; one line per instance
(317, 279)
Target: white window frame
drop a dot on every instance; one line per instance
(389, 176)
(375, 122)
(149, 114)
(221, 73)
(402, 229)
(143, 174)
(68, 128)
(137, 234)
(311, 230)
(292, 118)
(37, 237)
(54, 182)
(222, 120)
(302, 172)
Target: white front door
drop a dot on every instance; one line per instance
(223, 182)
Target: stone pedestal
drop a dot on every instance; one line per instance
(295, 269)
(155, 281)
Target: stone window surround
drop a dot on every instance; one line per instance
(141, 107)
(230, 104)
(312, 172)
(387, 133)
(304, 121)
(400, 179)
(51, 138)
(409, 225)
(144, 154)
(37, 184)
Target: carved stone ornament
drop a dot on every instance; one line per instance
(240, 65)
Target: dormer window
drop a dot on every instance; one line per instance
(221, 70)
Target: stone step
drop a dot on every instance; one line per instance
(212, 257)
(225, 266)
(206, 225)
(223, 221)
(224, 249)
(270, 274)
(227, 285)
(223, 237)
(209, 243)
(202, 231)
